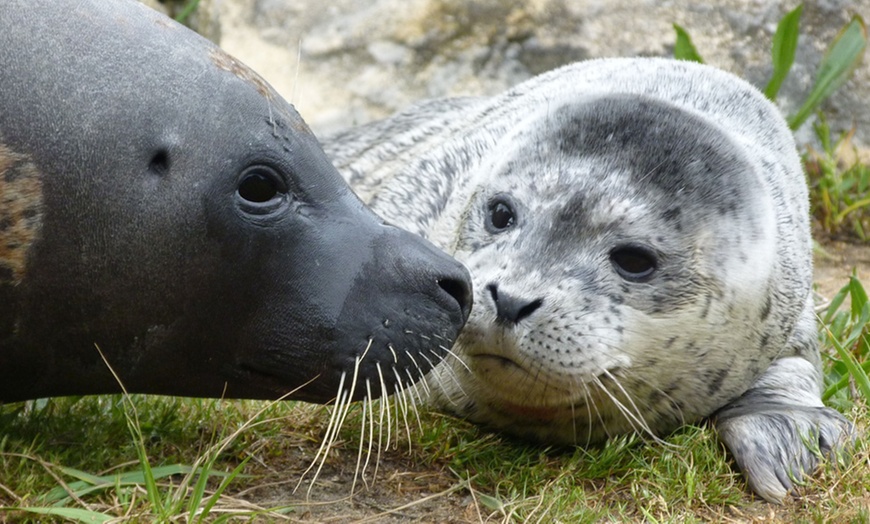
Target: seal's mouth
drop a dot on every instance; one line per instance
(527, 392)
(265, 380)
(489, 359)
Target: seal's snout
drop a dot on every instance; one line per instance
(510, 309)
(439, 277)
(458, 287)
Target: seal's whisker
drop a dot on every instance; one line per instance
(451, 374)
(358, 469)
(363, 356)
(636, 425)
(414, 398)
(630, 412)
(331, 436)
(423, 382)
(367, 407)
(573, 422)
(403, 405)
(416, 365)
(385, 408)
(594, 407)
(672, 401)
(342, 408)
(451, 353)
(413, 387)
(324, 444)
(639, 414)
(371, 432)
(590, 402)
(646, 427)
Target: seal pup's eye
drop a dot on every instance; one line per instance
(500, 216)
(261, 190)
(634, 263)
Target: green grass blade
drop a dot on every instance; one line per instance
(220, 490)
(857, 295)
(74, 514)
(188, 10)
(90, 483)
(862, 381)
(684, 49)
(832, 390)
(84, 477)
(784, 46)
(836, 67)
(836, 302)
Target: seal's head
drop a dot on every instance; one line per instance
(161, 202)
(621, 251)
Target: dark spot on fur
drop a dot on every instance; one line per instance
(672, 214)
(715, 380)
(20, 212)
(765, 310)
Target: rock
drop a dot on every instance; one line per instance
(345, 62)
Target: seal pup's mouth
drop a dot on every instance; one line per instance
(546, 399)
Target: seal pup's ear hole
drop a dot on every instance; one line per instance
(634, 263)
(500, 215)
(261, 190)
(159, 163)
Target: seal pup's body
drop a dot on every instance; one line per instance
(160, 201)
(637, 234)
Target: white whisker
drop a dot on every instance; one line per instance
(403, 403)
(371, 421)
(324, 445)
(457, 357)
(385, 408)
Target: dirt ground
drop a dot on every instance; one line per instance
(835, 261)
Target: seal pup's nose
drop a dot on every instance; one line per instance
(510, 309)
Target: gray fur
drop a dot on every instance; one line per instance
(686, 160)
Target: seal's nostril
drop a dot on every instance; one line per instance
(459, 290)
(509, 309)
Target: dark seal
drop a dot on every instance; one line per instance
(160, 202)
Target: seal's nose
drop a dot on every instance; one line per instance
(510, 309)
(459, 289)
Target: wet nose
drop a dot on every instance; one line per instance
(437, 274)
(510, 309)
(458, 287)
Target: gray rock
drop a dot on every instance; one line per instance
(344, 62)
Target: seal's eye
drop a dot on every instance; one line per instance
(261, 190)
(258, 186)
(500, 216)
(634, 263)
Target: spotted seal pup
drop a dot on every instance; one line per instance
(637, 234)
(160, 201)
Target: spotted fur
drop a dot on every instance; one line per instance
(686, 161)
(20, 213)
